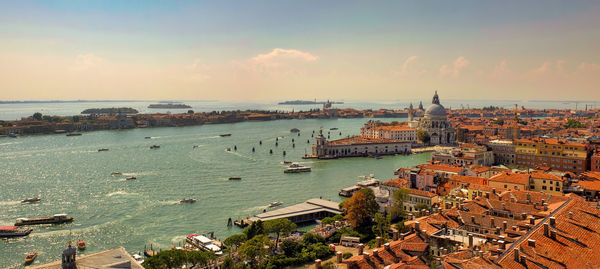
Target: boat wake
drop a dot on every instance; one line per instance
(121, 193)
(173, 202)
(240, 155)
(9, 203)
(257, 208)
(10, 143)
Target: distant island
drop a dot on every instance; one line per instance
(304, 102)
(110, 110)
(169, 105)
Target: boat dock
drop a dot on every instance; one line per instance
(310, 210)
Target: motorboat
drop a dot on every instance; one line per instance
(154, 147)
(235, 178)
(31, 200)
(131, 178)
(294, 130)
(224, 135)
(56, 219)
(187, 201)
(81, 245)
(13, 231)
(102, 149)
(333, 128)
(275, 204)
(116, 173)
(30, 257)
(147, 137)
(138, 258)
(297, 168)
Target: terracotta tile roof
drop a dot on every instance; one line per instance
(394, 128)
(359, 140)
(442, 167)
(421, 193)
(547, 176)
(514, 178)
(592, 185)
(576, 245)
(468, 179)
(396, 183)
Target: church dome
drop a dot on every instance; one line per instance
(435, 109)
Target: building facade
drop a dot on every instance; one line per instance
(357, 147)
(435, 123)
(553, 153)
(400, 132)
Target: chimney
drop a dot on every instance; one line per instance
(361, 248)
(386, 246)
(376, 253)
(417, 227)
(401, 236)
(470, 240)
(515, 228)
(552, 221)
(528, 198)
(570, 215)
(553, 234)
(546, 229)
(531, 243)
(494, 190)
(523, 215)
(395, 235)
(318, 264)
(378, 241)
(517, 254)
(545, 206)
(523, 259)
(502, 244)
(531, 220)
(504, 225)
(338, 256)
(492, 224)
(527, 226)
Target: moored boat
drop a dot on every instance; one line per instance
(297, 168)
(56, 219)
(102, 149)
(154, 147)
(131, 178)
(204, 243)
(223, 135)
(235, 178)
(13, 231)
(116, 173)
(30, 257)
(74, 134)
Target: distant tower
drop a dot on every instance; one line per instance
(436, 99)
(68, 257)
(410, 112)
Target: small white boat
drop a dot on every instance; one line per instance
(131, 178)
(275, 204)
(187, 201)
(138, 258)
(297, 168)
(116, 173)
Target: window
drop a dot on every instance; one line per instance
(543, 187)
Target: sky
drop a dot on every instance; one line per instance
(287, 50)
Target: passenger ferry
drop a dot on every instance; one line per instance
(56, 219)
(204, 243)
(297, 168)
(13, 231)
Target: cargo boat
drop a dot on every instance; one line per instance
(204, 243)
(56, 219)
(13, 231)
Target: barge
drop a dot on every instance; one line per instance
(13, 231)
(56, 219)
(204, 243)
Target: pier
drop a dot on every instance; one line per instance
(310, 210)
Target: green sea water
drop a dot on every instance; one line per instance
(72, 177)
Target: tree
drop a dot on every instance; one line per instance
(75, 118)
(499, 121)
(290, 247)
(37, 116)
(311, 238)
(398, 198)
(279, 227)
(361, 207)
(256, 228)
(573, 123)
(332, 220)
(201, 258)
(423, 136)
(235, 240)
(190, 111)
(254, 250)
(382, 225)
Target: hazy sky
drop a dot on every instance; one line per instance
(279, 50)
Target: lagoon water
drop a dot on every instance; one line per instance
(72, 177)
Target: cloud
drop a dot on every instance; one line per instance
(87, 61)
(198, 70)
(278, 62)
(454, 70)
(410, 67)
(278, 54)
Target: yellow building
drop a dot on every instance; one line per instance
(552, 153)
(546, 182)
